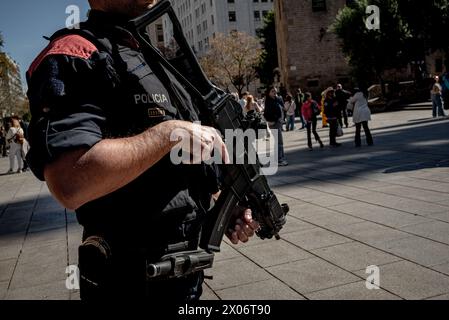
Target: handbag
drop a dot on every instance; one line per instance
(340, 132)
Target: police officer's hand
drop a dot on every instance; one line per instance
(244, 227)
(199, 141)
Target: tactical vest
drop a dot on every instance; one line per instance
(167, 203)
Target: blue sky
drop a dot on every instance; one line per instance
(24, 22)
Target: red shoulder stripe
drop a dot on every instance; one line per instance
(70, 45)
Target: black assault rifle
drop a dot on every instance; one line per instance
(243, 184)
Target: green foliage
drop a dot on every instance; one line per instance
(428, 22)
(409, 30)
(269, 58)
(370, 52)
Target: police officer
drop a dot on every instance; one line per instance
(100, 137)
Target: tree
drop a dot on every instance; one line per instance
(428, 22)
(269, 57)
(12, 99)
(371, 52)
(231, 60)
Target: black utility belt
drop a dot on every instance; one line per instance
(178, 260)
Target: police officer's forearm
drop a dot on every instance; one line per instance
(80, 176)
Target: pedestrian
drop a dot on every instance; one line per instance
(299, 100)
(290, 110)
(361, 114)
(342, 97)
(437, 101)
(310, 110)
(15, 137)
(331, 111)
(103, 148)
(2, 142)
(273, 114)
(251, 105)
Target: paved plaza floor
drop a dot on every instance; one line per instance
(351, 208)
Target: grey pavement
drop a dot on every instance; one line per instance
(384, 206)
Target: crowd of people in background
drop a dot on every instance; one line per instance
(14, 143)
(281, 109)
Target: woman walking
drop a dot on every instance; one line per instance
(361, 114)
(437, 101)
(310, 109)
(15, 138)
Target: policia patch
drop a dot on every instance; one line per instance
(156, 112)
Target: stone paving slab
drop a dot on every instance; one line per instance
(369, 232)
(434, 230)
(411, 281)
(310, 275)
(415, 193)
(381, 215)
(352, 291)
(274, 253)
(36, 274)
(354, 256)
(443, 268)
(272, 289)
(50, 291)
(326, 218)
(235, 272)
(403, 204)
(315, 238)
(440, 216)
(419, 250)
(440, 297)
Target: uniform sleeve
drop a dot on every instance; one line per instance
(67, 106)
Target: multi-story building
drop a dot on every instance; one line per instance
(203, 19)
(10, 85)
(309, 56)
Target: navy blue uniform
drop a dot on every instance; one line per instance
(81, 92)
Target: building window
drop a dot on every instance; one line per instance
(318, 5)
(264, 13)
(231, 1)
(232, 16)
(257, 15)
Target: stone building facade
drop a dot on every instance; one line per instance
(309, 56)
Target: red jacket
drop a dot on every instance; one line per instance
(307, 111)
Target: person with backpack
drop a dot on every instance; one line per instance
(310, 110)
(273, 114)
(15, 138)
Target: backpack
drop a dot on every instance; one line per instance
(315, 108)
